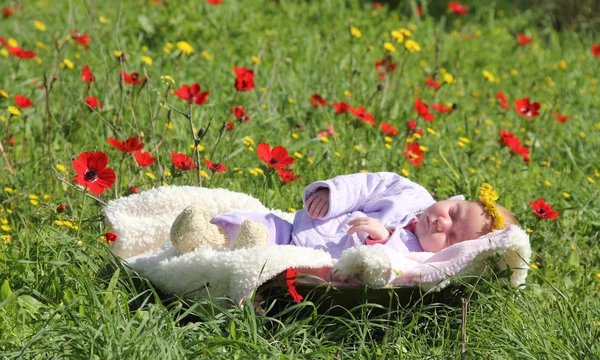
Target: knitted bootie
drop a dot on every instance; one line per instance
(192, 229)
(251, 234)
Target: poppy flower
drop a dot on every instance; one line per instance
(414, 154)
(7, 12)
(182, 161)
(20, 53)
(596, 50)
(216, 167)
(134, 190)
(432, 83)
(317, 100)
(110, 237)
(362, 115)
(133, 78)
(377, 5)
(423, 110)
(81, 39)
(143, 159)
(560, 117)
(502, 100)
(523, 40)
(458, 8)
(23, 102)
(543, 209)
(513, 142)
(290, 281)
(287, 175)
(329, 131)
(340, 107)
(276, 158)
(244, 80)
(384, 67)
(192, 94)
(86, 75)
(412, 126)
(93, 102)
(240, 113)
(215, 2)
(228, 125)
(3, 41)
(527, 108)
(130, 145)
(441, 108)
(92, 171)
(388, 129)
(420, 11)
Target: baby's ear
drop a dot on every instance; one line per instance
(457, 197)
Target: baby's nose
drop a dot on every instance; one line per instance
(443, 224)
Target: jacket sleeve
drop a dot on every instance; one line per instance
(367, 192)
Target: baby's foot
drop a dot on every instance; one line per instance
(192, 229)
(251, 234)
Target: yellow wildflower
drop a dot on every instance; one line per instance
(388, 139)
(4, 52)
(562, 64)
(167, 79)
(256, 60)
(259, 170)
(448, 78)
(39, 25)
(150, 175)
(590, 180)
(324, 139)
(12, 42)
(185, 47)
(253, 172)
(464, 139)
(170, 125)
(5, 228)
(10, 190)
(357, 147)
(355, 32)
(3, 221)
(294, 135)
(147, 59)
(292, 210)
(389, 47)
(337, 153)
(14, 110)
(33, 196)
(264, 106)
(547, 183)
(533, 266)
(412, 46)
(4, 94)
(290, 100)
(248, 141)
(46, 197)
(431, 131)
(488, 75)
(103, 20)
(347, 93)
(167, 173)
(34, 202)
(6, 239)
(263, 89)
(404, 172)
(298, 155)
(388, 146)
(204, 174)
(398, 36)
(206, 55)
(42, 46)
(566, 194)
(310, 160)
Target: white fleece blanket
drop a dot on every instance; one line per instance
(143, 222)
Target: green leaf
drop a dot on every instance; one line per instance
(146, 24)
(574, 258)
(5, 290)
(30, 304)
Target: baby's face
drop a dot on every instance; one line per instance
(449, 222)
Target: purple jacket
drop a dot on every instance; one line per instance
(391, 199)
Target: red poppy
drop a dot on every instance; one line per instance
(182, 161)
(214, 2)
(276, 158)
(81, 39)
(7, 12)
(290, 281)
(420, 11)
(362, 114)
(240, 113)
(110, 237)
(244, 80)
(216, 167)
(596, 50)
(414, 154)
(510, 140)
(228, 125)
(134, 190)
(412, 126)
(340, 107)
(388, 129)
(502, 100)
(130, 145)
(441, 108)
(543, 209)
(93, 102)
(458, 8)
(92, 171)
(384, 67)
(526, 108)
(423, 110)
(23, 102)
(377, 5)
(329, 131)
(20, 53)
(192, 94)
(432, 83)
(3, 41)
(523, 40)
(560, 117)
(287, 175)
(86, 75)
(317, 100)
(61, 208)
(143, 159)
(133, 78)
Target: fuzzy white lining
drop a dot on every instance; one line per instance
(143, 222)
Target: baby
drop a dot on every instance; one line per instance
(347, 211)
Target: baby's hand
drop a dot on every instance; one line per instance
(317, 204)
(369, 225)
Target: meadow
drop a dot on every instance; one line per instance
(448, 95)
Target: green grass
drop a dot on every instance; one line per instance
(58, 299)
